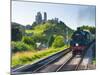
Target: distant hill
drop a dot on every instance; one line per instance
(52, 27)
(43, 33)
(16, 25)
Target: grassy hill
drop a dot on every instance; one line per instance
(51, 34)
(44, 31)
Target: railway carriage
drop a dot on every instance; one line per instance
(79, 41)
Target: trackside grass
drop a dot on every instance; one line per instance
(94, 61)
(22, 58)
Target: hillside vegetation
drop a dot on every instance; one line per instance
(42, 40)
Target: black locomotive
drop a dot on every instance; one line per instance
(79, 41)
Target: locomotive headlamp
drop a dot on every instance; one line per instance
(77, 44)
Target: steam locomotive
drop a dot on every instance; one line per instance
(79, 41)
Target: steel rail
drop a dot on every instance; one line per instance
(68, 62)
(42, 63)
(54, 59)
(70, 59)
(60, 67)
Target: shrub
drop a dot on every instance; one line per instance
(20, 46)
(58, 42)
(30, 41)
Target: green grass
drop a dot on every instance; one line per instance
(22, 58)
(94, 61)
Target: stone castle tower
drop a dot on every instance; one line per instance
(39, 19)
(45, 16)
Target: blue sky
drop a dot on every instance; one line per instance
(72, 15)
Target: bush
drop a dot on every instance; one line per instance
(58, 42)
(29, 41)
(20, 46)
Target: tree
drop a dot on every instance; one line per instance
(30, 41)
(17, 31)
(58, 42)
(90, 28)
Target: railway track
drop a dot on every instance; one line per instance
(71, 63)
(35, 67)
